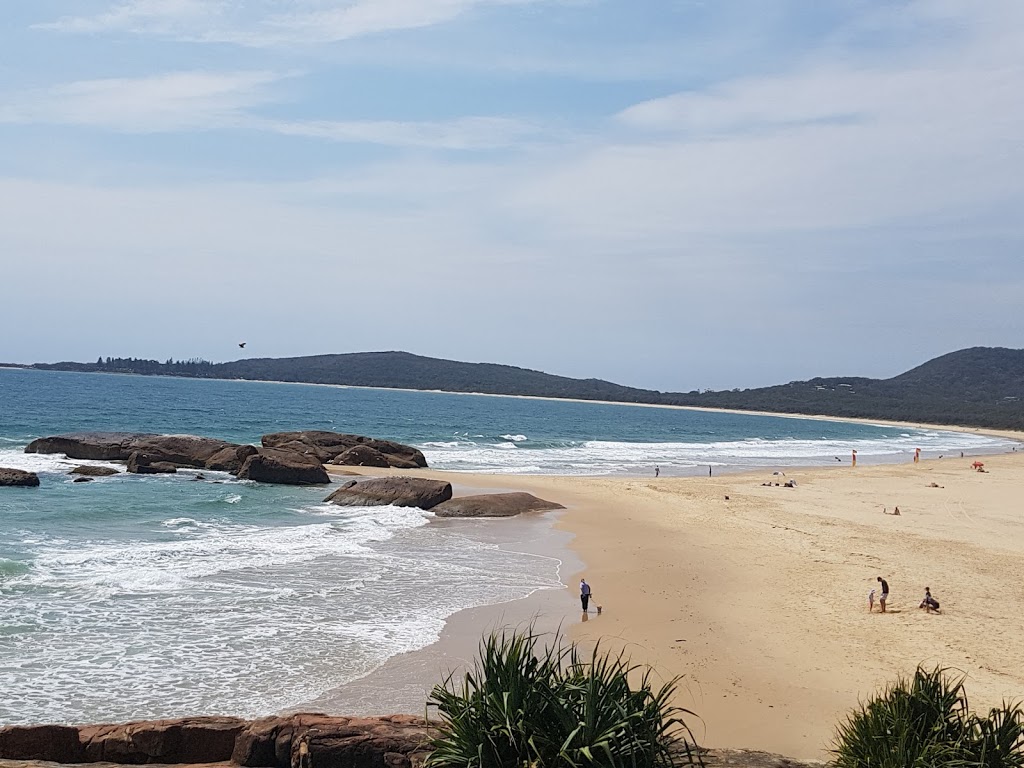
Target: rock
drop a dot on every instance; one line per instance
(361, 456)
(494, 505)
(101, 446)
(93, 471)
(398, 741)
(180, 450)
(140, 463)
(400, 491)
(82, 480)
(18, 478)
(58, 743)
(328, 445)
(230, 458)
(183, 740)
(270, 465)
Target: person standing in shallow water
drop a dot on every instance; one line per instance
(584, 594)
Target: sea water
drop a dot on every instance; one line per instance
(155, 596)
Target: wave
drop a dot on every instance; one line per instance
(599, 457)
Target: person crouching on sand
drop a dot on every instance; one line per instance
(929, 603)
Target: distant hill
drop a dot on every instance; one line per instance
(978, 387)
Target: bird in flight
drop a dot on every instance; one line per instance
(241, 345)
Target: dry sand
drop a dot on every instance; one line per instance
(760, 601)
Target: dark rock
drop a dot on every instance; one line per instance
(400, 491)
(184, 740)
(18, 477)
(230, 458)
(100, 446)
(183, 450)
(398, 741)
(57, 743)
(270, 465)
(327, 446)
(92, 471)
(140, 463)
(180, 450)
(494, 505)
(361, 456)
(82, 480)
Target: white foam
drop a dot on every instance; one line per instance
(596, 457)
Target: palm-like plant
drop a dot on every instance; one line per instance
(926, 722)
(527, 704)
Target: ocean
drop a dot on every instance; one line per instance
(158, 596)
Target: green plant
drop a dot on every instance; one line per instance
(527, 703)
(927, 722)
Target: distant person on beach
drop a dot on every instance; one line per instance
(657, 470)
(929, 603)
(885, 593)
(584, 594)
(871, 601)
(709, 470)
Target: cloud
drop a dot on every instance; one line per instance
(167, 102)
(467, 133)
(271, 22)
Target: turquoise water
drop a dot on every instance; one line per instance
(154, 596)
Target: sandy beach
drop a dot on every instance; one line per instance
(759, 600)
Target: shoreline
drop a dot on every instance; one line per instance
(1006, 433)
(759, 600)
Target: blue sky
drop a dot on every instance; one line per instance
(672, 194)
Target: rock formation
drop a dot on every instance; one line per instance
(361, 456)
(180, 450)
(93, 471)
(400, 491)
(289, 741)
(271, 465)
(140, 463)
(328, 445)
(230, 458)
(18, 477)
(493, 505)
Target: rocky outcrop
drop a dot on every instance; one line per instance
(328, 445)
(494, 505)
(294, 741)
(362, 456)
(82, 480)
(398, 741)
(58, 743)
(399, 491)
(100, 446)
(90, 470)
(18, 478)
(183, 740)
(140, 463)
(180, 450)
(230, 458)
(270, 465)
(288, 741)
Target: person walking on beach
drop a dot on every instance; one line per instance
(885, 593)
(584, 594)
(657, 470)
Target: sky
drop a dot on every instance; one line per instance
(674, 194)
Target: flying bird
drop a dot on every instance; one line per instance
(241, 345)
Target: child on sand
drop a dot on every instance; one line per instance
(871, 601)
(929, 603)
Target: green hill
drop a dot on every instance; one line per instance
(978, 387)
